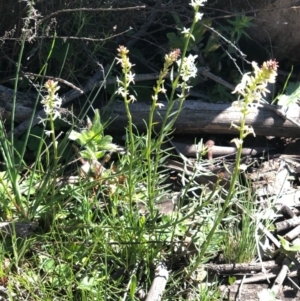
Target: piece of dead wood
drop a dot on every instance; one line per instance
(277, 285)
(264, 276)
(159, 283)
(200, 117)
(190, 150)
(241, 267)
(287, 224)
(21, 229)
(287, 212)
(292, 234)
(25, 101)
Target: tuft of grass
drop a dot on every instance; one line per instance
(240, 238)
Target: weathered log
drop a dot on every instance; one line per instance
(196, 116)
(24, 104)
(200, 117)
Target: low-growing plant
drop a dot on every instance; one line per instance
(240, 238)
(251, 90)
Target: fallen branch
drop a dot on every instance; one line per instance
(201, 117)
(159, 283)
(190, 150)
(241, 267)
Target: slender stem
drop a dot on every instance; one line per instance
(165, 132)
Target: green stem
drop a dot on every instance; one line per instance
(152, 171)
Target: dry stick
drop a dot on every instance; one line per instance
(238, 297)
(281, 276)
(287, 224)
(58, 79)
(241, 267)
(159, 283)
(190, 150)
(71, 10)
(263, 277)
(292, 234)
(287, 212)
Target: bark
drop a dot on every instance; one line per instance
(241, 267)
(200, 117)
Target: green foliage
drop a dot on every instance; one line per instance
(239, 241)
(177, 40)
(287, 247)
(292, 95)
(101, 233)
(238, 26)
(92, 139)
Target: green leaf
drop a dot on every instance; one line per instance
(231, 279)
(293, 91)
(133, 286)
(175, 41)
(212, 44)
(87, 283)
(285, 245)
(74, 135)
(200, 29)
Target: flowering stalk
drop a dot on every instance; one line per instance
(186, 70)
(159, 88)
(251, 89)
(52, 102)
(123, 90)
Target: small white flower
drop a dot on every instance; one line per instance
(56, 114)
(240, 88)
(121, 91)
(154, 97)
(163, 90)
(132, 98)
(185, 30)
(198, 16)
(238, 142)
(197, 3)
(130, 77)
(48, 133)
(159, 105)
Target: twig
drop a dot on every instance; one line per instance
(287, 224)
(190, 150)
(292, 234)
(58, 79)
(241, 267)
(159, 283)
(263, 277)
(72, 10)
(238, 297)
(281, 276)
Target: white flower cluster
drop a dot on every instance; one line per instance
(52, 102)
(123, 84)
(189, 68)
